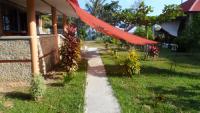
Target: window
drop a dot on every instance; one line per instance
(10, 20)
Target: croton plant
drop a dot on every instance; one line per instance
(153, 51)
(70, 49)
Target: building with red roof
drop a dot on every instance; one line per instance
(25, 49)
(191, 6)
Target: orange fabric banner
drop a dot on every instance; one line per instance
(106, 28)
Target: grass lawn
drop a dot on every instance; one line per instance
(158, 89)
(58, 98)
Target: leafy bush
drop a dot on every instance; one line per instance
(131, 63)
(70, 51)
(38, 87)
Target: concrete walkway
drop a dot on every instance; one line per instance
(98, 95)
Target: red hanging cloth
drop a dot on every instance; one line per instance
(106, 28)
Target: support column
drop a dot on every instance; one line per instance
(32, 31)
(39, 25)
(64, 23)
(55, 32)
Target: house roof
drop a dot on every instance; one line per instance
(191, 6)
(44, 6)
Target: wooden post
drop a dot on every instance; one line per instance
(32, 31)
(55, 32)
(64, 23)
(39, 24)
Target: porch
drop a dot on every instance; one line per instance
(25, 49)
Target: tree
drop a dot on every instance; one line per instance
(170, 12)
(104, 11)
(109, 12)
(138, 16)
(141, 14)
(95, 7)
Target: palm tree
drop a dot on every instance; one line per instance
(95, 7)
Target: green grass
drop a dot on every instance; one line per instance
(159, 89)
(58, 98)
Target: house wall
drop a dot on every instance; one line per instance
(46, 53)
(15, 59)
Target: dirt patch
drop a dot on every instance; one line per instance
(12, 86)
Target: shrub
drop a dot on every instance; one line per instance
(130, 62)
(70, 51)
(153, 51)
(38, 87)
(133, 63)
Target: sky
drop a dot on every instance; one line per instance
(157, 5)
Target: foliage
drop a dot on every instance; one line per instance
(107, 39)
(140, 31)
(82, 34)
(95, 7)
(144, 32)
(184, 43)
(150, 34)
(81, 29)
(153, 51)
(141, 13)
(70, 51)
(38, 87)
(46, 21)
(116, 42)
(136, 15)
(171, 12)
(131, 63)
(104, 11)
(110, 11)
(190, 38)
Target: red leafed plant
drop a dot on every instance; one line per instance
(153, 51)
(70, 50)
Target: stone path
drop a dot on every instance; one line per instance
(98, 95)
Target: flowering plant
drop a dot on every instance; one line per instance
(153, 51)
